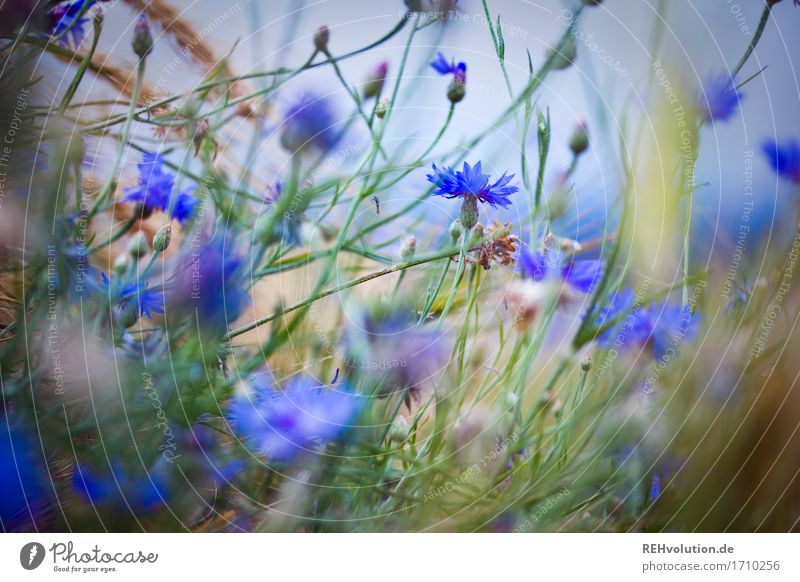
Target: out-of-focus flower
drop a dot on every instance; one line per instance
(120, 489)
(784, 158)
(375, 81)
(283, 424)
(202, 459)
(65, 18)
(391, 354)
(458, 84)
(156, 191)
(441, 66)
(135, 296)
(471, 182)
(719, 98)
(662, 325)
(552, 264)
(310, 123)
(525, 298)
(22, 481)
(210, 283)
(579, 140)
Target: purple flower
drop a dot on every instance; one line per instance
(120, 489)
(283, 424)
(156, 191)
(22, 481)
(391, 354)
(719, 98)
(65, 17)
(210, 283)
(310, 123)
(662, 325)
(441, 66)
(552, 264)
(472, 182)
(784, 158)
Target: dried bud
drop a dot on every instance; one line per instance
(321, 38)
(375, 80)
(409, 247)
(579, 140)
(142, 39)
(162, 239)
(469, 212)
(138, 245)
(382, 108)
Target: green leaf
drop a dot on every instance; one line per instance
(501, 43)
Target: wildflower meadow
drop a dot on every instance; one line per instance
(423, 266)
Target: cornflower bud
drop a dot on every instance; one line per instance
(455, 230)
(579, 140)
(121, 263)
(162, 239)
(321, 38)
(398, 432)
(382, 108)
(138, 246)
(457, 88)
(142, 39)
(563, 59)
(409, 247)
(375, 80)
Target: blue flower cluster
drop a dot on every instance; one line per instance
(284, 424)
(156, 191)
(662, 326)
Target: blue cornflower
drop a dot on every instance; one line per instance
(719, 98)
(135, 293)
(202, 459)
(552, 264)
(283, 424)
(22, 481)
(471, 182)
(661, 325)
(156, 191)
(784, 158)
(65, 17)
(310, 123)
(458, 84)
(211, 283)
(441, 66)
(120, 489)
